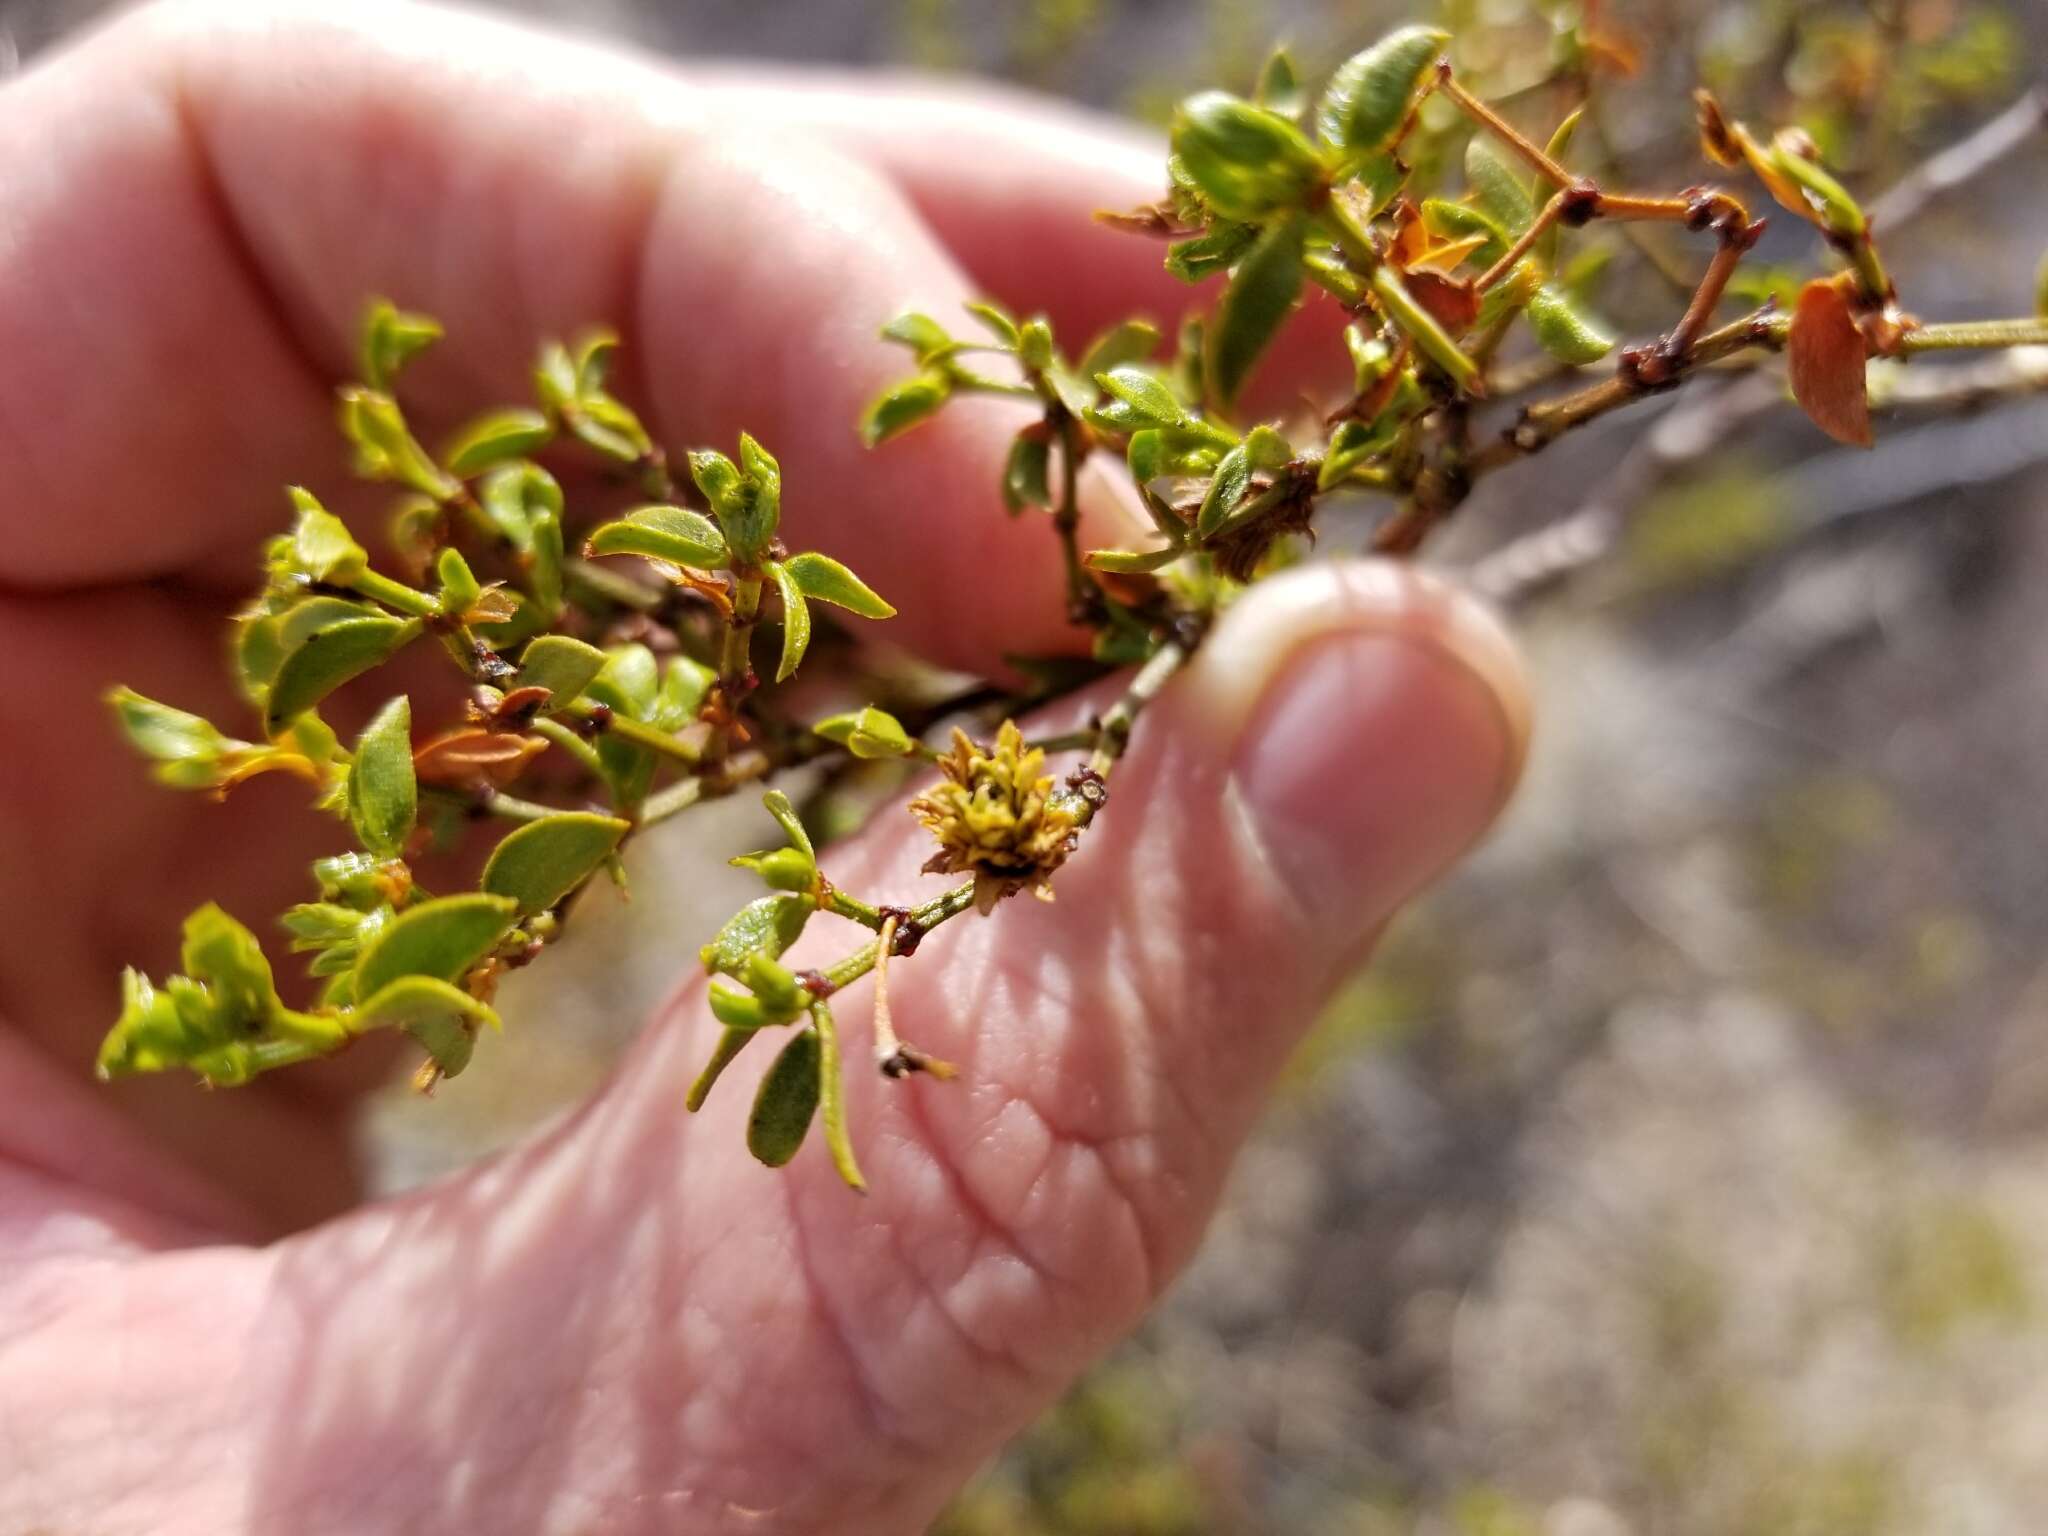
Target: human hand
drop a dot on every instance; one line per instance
(626, 1326)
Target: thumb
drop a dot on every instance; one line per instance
(653, 1329)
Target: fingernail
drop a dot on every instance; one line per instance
(1380, 722)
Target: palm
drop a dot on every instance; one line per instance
(625, 1326)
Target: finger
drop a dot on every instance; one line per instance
(725, 1343)
(1012, 183)
(279, 169)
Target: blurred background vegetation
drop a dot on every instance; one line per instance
(1682, 1166)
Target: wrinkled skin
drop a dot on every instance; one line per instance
(625, 1326)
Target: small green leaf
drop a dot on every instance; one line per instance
(459, 587)
(1429, 337)
(730, 1043)
(868, 733)
(442, 938)
(1500, 193)
(781, 869)
(786, 1101)
(746, 497)
(674, 534)
(778, 806)
(383, 796)
(1371, 93)
(327, 657)
(922, 334)
(903, 405)
(1563, 330)
(997, 321)
(226, 956)
(1132, 341)
(825, 580)
(1132, 562)
(832, 1096)
(1279, 88)
(170, 737)
(517, 500)
(1225, 491)
(563, 665)
(391, 338)
(1208, 254)
(742, 1010)
(537, 864)
(796, 621)
(1246, 162)
(322, 547)
(1025, 474)
(608, 427)
(1263, 291)
(767, 926)
(491, 440)
(385, 450)
(440, 1016)
(1138, 399)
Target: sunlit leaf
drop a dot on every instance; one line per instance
(674, 534)
(442, 938)
(1826, 358)
(383, 795)
(1262, 293)
(1370, 95)
(491, 440)
(825, 580)
(786, 1101)
(329, 656)
(539, 863)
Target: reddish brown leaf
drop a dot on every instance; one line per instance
(1452, 302)
(465, 759)
(1826, 351)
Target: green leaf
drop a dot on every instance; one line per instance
(563, 665)
(832, 1096)
(796, 621)
(491, 440)
(786, 1101)
(922, 334)
(537, 864)
(674, 534)
(385, 450)
(383, 796)
(1564, 331)
(1500, 193)
(868, 733)
(1133, 562)
(1208, 254)
(517, 500)
(1132, 341)
(903, 405)
(1429, 337)
(730, 1043)
(746, 497)
(1246, 162)
(998, 322)
(743, 1010)
(1262, 293)
(459, 587)
(1371, 93)
(825, 580)
(778, 805)
(183, 744)
(391, 338)
(1225, 491)
(440, 1016)
(782, 869)
(1138, 399)
(442, 938)
(766, 926)
(322, 547)
(1025, 474)
(1279, 88)
(226, 956)
(328, 656)
(608, 427)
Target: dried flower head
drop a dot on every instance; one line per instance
(997, 817)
